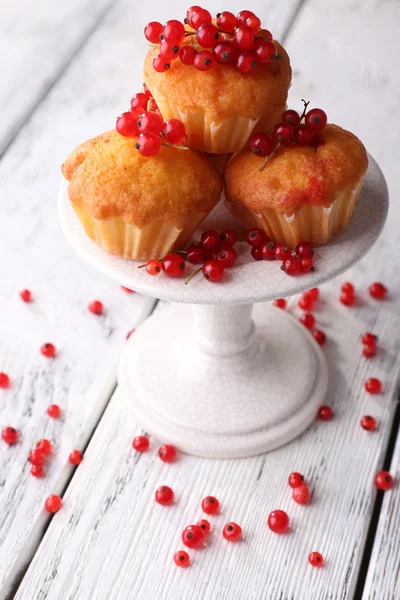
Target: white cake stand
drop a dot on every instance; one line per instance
(216, 375)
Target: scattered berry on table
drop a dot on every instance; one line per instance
(210, 505)
(373, 385)
(173, 265)
(205, 525)
(75, 458)
(378, 291)
(308, 320)
(45, 446)
(181, 558)
(278, 521)
(26, 295)
(348, 288)
(164, 495)
(10, 435)
(153, 267)
(141, 443)
(167, 453)
(319, 336)
(369, 339)
(347, 299)
(368, 423)
(312, 293)
(316, 559)
(96, 307)
(295, 479)
(193, 536)
(48, 350)
(232, 532)
(54, 411)
(280, 303)
(325, 413)
(53, 504)
(4, 380)
(369, 350)
(301, 494)
(37, 471)
(228, 238)
(37, 457)
(383, 481)
(306, 302)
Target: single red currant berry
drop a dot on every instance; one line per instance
(228, 238)
(96, 307)
(242, 17)
(48, 350)
(207, 36)
(268, 251)
(210, 240)
(37, 471)
(45, 446)
(347, 299)
(225, 53)
(190, 12)
(126, 125)
(37, 457)
(210, 505)
(4, 380)
(308, 320)
(128, 335)
(369, 339)
(150, 122)
(280, 303)
(306, 265)
(181, 558)
(262, 144)
(205, 525)
(368, 423)
(245, 62)
(264, 51)
(140, 101)
(295, 479)
(53, 504)
(278, 521)
(169, 51)
(187, 54)
(325, 413)
(304, 250)
(282, 252)
(316, 559)
(301, 494)
(174, 131)
(265, 34)
(348, 288)
(306, 302)
(153, 267)
(373, 385)
(226, 21)
(75, 458)
(54, 411)
(196, 254)
(10, 435)
(316, 119)
(291, 266)
(203, 60)
(152, 32)
(26, 295)
(292, 117)
(199, 18)
(383, 481)
(378, 291)
(141, 443)
(313, 293)
(173, 265)
(254, 23)
(164, 495)
(232, 532)
(227, 257)
(319, 336)
(174, 31)
(243, 38)
(257, 253)
(283, 132)
(167, 453)
(369, 350)
(193, 536)
(256, 238)
(303, 135)
(161, 64)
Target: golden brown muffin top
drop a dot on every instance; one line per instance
(223, 90)
(297, 175)
(109, 177)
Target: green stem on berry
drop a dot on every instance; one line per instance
(303, 114)
(142, 266)
(193, 275)
(168, 145)
(273, 153)
(149, 106)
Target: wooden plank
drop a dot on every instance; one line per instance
(112, 541)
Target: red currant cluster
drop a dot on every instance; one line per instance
(229, 40)
(294, 261)
(145, 122)
(369, 343)
(215, 252)
(293, 129)
(307, 302)
(167, 453)
(348, 296)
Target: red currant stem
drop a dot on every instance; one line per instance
(168, 145)
(193, 275)
(273, 153)
(187, 33)
(183, 252)
(141, 266)
(303, 114)
(277, 57)
(149, 106)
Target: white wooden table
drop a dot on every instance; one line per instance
(67, 70)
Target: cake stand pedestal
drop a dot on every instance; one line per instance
(216, 374)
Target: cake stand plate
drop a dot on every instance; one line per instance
(222, 378)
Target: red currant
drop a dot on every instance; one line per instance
(264, 51)
(207, 36)
(282, 252)
(174, 131)
(257, 253)
(268, 251)
(232, 532)
(291, 266)
(292, 117)
(37, 457)
(369, 350)
(150, 122)
(54, 411)
(265, 34)
(301, 494)
(160, 64)
(295, 479)
(26, 295)
(225, 53)
(10, 435)
(45, 446)
(75, 458)
(226, 21)
(280, 303)
(196, 254)
(4, 380)
(304, 250)
(378, 291)
(210, 505)
(347, 299)
(262, 144)
(256, 238)
(313, 293)
(210, 240)
(368, 423)
(245, 62)
(303, 135)
(369, 339)
(205, 525)
(203, 60)
(254, 23)
(190, 12)
(199, 18)
(283, 132)
(37, 471)
(278, 521)
(187, 54)
(306, 302)
(152, 32)
(128, 335)
(308, 320)
(181, 558)
(316, 559)
(373, 385)
(319, 336)
(96, 307)
(316, 119)
(227, 257)
(164, 495)
(306, 265)
(383, 481)
(153, 267)
(48, 350)
(127, 290)
(242, 17)
(169, 51)
(325, 413)
(193, 536)
(140, 101)
(148, 144)
(167, 453)
(348, 288)
(228, 238)
(174, 32)
(53, 504)
(126, 125)
(141, 443)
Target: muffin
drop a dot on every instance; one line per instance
(219, 107)
(304, 192)
(139, 207)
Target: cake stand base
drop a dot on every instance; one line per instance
(223, 381)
